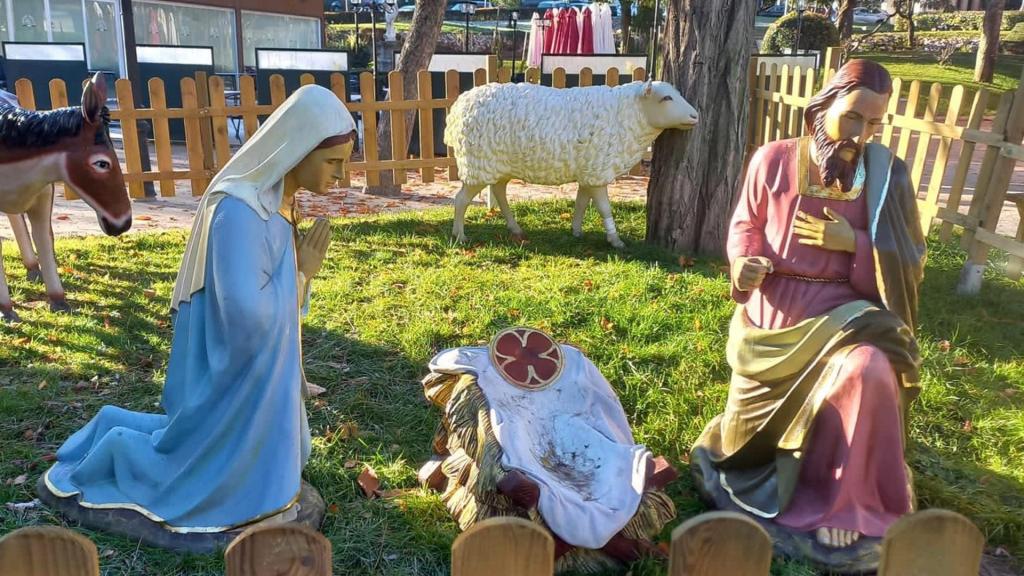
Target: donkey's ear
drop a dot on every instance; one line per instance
(94, 97)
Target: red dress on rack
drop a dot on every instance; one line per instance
(587, 32)
(549, 32)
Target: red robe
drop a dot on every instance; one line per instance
(587, 33)
(549, 32)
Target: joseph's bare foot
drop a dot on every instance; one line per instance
(837, 537)
(314, 390)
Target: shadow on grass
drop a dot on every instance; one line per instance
(548, 234)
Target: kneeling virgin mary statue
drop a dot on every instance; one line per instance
(229, 449)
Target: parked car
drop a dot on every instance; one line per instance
(868, 16)
(774, 11)
(333, 5)
(550, 4)
(407, 8)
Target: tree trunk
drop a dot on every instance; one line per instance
(627, 19)
(696, 174)
(844, 19)
(420, 43)
(988, 48)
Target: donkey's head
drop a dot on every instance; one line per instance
(91, 165)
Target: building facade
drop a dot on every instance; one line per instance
(234, 28)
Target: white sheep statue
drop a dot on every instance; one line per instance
(551, 136)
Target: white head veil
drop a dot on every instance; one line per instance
(255, 174)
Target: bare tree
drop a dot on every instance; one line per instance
(844, 20)
(416, 53)
(988, 48)
(627, 19)
(696, 174)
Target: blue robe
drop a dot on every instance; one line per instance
(234, 440)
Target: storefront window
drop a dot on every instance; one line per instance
(5, 30)
(67, 21)
(182, 25)
(29, 21)
(101, 37)
(262, 30)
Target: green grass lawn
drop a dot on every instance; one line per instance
(394, 291)
(924, 67)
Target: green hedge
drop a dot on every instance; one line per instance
(816, 33)
(961, 20)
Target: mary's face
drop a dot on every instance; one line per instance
(322, 168)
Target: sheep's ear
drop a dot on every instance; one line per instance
(648, 88)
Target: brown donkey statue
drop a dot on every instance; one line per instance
(40, 148)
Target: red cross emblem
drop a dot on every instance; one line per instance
(526, 358)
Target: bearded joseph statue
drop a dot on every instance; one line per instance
(826, 255)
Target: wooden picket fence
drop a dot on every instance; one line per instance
(932, 542)
(206, 115)
(925, 126)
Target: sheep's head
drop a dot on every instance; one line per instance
(665, 108)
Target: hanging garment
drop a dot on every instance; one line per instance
(604, 34)
(560, 30)
(535, 45)
(154, 28)
(586, 31)
(549, 31)
(161, 19)
(172, 29)
(568, 39)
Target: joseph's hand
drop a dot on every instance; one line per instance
(312, 248)
(833, 233)
(748, 272)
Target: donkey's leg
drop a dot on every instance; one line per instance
(42, 232)
(7, 312)
(498, 191)
(462, 201)
(583, 195)
(28, 253)
(604, 206)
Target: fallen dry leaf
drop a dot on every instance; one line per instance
(42, 385)
(945, 346)
(565, 216)
(607, 325)
(18, 481)
(350, 464)
(686, 262)
(143, 217)
(369, 482)
(333, 508)
(149, 293)
(588, 284)
(348, 430)
(968, 426)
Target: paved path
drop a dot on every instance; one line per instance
(74, 218)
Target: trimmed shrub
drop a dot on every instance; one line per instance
(960, 20)
(816, 33)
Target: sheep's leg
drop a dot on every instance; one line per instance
(28, 254)
(604, 206)
(462, 201)
(583, 195)
(7, 312)
(42, 233)
(498, 191)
